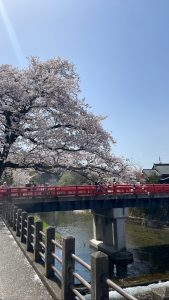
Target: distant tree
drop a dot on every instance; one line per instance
(44, 125)
(44, 177)
(154, 178)
(72, 178)
(7, 177)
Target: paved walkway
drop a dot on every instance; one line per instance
(18, 280)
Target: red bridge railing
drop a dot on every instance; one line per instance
(84, 190)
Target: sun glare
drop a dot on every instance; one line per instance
(11, 33)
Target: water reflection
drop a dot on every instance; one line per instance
(78, 225)
(149, 260)
(150, 253)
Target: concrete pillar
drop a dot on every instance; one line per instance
(119, 234)
(110, 238)
(97, 227)
(109, 228)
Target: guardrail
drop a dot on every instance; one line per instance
(44, 246)
(84, 190)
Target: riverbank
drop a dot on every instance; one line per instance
(153, 223)
(141, 236)
(45, 226)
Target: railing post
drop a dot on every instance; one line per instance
(99, 270)
(18, 222)
(30, 230)
(9, 193)
(3, 210)
(11, 216)
(49, 249)
(8, 213)
(14, 218)
(68, 265)
(24, 216)
(38, 239)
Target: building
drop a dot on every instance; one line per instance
(160, 171)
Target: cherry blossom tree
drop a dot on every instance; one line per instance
(45, 126)
(21, 177)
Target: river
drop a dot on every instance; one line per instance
(150, 247)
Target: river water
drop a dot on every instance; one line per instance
(150, 247)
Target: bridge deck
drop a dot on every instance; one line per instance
(56, 198)
(18, 280)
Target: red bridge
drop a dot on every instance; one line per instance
(60, 198)
(84, 190)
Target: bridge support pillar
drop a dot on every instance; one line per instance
(97, 227)
(110, 238)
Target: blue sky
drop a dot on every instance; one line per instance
(121, 51)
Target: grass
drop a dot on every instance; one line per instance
(45, 226)
(140, 236)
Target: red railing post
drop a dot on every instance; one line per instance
(76, 193)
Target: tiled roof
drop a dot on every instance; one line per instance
(162, 169)
(150, 172)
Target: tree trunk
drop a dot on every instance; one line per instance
(2, 168)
